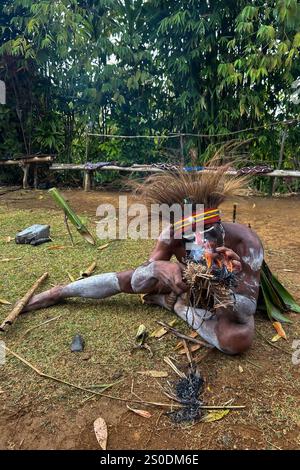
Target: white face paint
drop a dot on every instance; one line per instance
(254, 260)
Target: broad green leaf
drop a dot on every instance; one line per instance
(273, 312)
(285, 296)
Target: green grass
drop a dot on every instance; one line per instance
(108, 326)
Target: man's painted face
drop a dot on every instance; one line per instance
(205, 241)
(214, 234)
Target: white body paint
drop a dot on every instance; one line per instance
(165, 235)
(142, 278)
(244, 306)
(254, 260)
(203, 321)
(99, 286)
(251, 283)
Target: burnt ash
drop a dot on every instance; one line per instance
(188, 391)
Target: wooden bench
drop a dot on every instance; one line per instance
(25, 162)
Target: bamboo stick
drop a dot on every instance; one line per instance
(72, 216)
(89, 270)
(11, 317)
(68, 230)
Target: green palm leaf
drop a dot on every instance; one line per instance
(273, 306)
(285, 296)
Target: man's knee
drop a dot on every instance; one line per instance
(236, 338)
(143, 279)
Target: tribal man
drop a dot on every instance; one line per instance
(230, 328)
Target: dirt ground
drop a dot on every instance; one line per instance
(39, 413)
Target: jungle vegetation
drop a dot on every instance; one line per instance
(228, 70)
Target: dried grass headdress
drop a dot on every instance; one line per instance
(210, 187)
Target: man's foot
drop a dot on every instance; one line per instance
(163, 300)
(45, 299)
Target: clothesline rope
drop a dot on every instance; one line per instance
(189, 134)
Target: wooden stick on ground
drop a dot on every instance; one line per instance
(181, 335)
(106, 395)
(34, 327)
(11, 317)
(88, 271)
(274, 345)
(175, 369)
(188, 354)
(68, 229)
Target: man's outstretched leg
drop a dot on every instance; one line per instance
(152, 277)
(99, 286)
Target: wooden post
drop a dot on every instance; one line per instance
(234, 213)
(270, 191)
(35, 176)
(87, 180)
(92, 179)
(86, 146)
(181, 150)
(25, 169)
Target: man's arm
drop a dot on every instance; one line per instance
(158, 274)
(167, 246)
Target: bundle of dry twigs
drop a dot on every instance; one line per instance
(209, 288)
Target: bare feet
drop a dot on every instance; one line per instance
(45, 299)
(163, 300)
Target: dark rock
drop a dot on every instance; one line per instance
(32, 234)
(77, 344)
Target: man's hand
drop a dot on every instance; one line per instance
(158, 276)
(170, 275)
(229, 255)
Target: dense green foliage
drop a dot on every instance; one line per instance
(150, 67)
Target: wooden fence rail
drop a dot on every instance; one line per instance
(45, 161)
